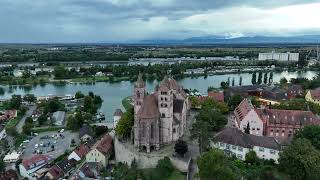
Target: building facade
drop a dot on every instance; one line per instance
(271, 122)
(313, 96)
(101, 151)
(234, 142)
(279, 56)
(159, 118)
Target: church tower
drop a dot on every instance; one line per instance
(165, 105)
(139, 93)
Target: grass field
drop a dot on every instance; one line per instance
(153, 174)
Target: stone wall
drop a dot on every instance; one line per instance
(125, 153)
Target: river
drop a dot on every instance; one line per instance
(113, 93)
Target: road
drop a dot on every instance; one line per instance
(20, 125)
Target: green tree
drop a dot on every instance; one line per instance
(125, 124)
(271, 78)
(300, 160)
(240, 81)
(259, 77)
(247, 130)
(251, 157)
(265, 78)
(79, 95)
(30, 98)
(164, 167)
(214, 164)
(234, 101)
(224, 85)
(283, 82)
(60, 72)
(310, 132)
(181, 147)
(15, 102)
(194, 102)
(254, 78)
(75, 122)
(2, 165)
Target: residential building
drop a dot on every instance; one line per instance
(279, 56)
(217, 96)
(89, 171)
(101, 151)
(11, 157)
(54, 173)
(272, 122)
(313, 96)
(8, 114)
(85, 133)
(9, 175)
(29, 166)
(160, 117)
(79, 153)
(116, 117)
(234, 142)
(58, 118)
(3, 133)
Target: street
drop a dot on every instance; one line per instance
(21, 123)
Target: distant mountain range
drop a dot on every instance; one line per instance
(239, 40)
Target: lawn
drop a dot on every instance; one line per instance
(13, 122)
(153, 174)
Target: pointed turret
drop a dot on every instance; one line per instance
(140, 83)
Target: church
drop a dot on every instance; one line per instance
(160, 118)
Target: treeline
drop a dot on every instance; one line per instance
(64, 56)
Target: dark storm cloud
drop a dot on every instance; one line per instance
(121, 20)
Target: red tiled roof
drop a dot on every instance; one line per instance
(56, 172)
(35, 161)
(315, 93)
(288, 117)
(243, 109)
(218, 96)
(9, 175)
(105, 144)
(8, 114)
(149, 109)
(82, 150)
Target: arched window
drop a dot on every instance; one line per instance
(152, 131)
(138, 94)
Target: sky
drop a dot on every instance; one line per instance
(94, 21)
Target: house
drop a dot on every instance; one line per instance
(294, 90)
(80, 152)
(101, 151)
(85, 133)
(217, 96)
(8, 114)
(116, 117)
(234, 142)
(9, 175)
(313, 96)
(271, 122)
(31, 165)
(88, 171)
(58, 118)
(54, 173)
(11, 157)
(67, 165)
(3, 133)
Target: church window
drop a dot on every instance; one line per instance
(138, 94)
(152, 131)
(161, 98)
(174, 130)
(163, 115)
(163, 93)
(143, 130)
(165, 99)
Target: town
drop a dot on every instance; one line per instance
(170, 133)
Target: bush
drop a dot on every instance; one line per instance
(164, 167)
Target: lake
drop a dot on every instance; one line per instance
(113, 93)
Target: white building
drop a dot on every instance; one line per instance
(234, 142)
(116, 117)
(279, 56)
(29, 166)
(12, 157)
(3, 133)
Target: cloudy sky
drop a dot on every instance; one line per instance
(36, 21)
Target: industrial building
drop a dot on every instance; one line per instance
(279, 56)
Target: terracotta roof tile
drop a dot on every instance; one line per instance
(217, 96)
(149, 109)
(105, 144)
(35, 161)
